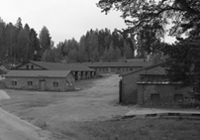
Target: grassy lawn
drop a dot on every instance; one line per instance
(139, 129)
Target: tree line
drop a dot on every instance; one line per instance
(20, 43)
(94, 46)
(104, 45)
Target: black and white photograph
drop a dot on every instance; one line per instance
(100, 70)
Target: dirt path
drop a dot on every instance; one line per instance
(56, 112)
(97, 102)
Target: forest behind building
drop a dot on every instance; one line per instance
(20, 43)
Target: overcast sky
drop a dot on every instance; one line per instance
(65, 19)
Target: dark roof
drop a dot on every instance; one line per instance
(153, 79)
(38, 73)
(144, 68)
(117, 64)
(156, 79)
(61, 66)
(136, 60)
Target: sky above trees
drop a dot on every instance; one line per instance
(64, 19)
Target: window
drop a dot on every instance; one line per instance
(27, 67)
(178, 97)
(155, 97)
(55, 84)
(14, 83)
(29, 83)
(32, 67)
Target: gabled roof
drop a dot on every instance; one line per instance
(37, 73)
(60, 66)
(118, 64)
(142, 69)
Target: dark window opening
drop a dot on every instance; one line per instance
(55, 84)
(155, 97)
(29, 83)
(178, 97)
(14, 83)
(32, 67)
(27, 67)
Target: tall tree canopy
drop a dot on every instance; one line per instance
(96, 45)
(45, 39)
(184, 18)
(184, 14)
(18, 43)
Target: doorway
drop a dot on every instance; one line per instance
(42, 85)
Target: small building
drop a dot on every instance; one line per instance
(150, 85)
(79, 71)
(40, 80)
(117, 67)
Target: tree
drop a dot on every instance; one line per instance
(82, 55)
(117, 54)
(183, 60)
(105, 56)
(112, 55)
(2, 41)
(73, 54)
(148, 38)
(128, 53)
(184, 14)
(23, 41)
(34, 45)
(51, 55)
(92, 43)
(10, 42)
(96, 56)
(45, 39)
(19, 23)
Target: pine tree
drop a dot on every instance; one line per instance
(117, 53)
(105, 56)
(96, 55)
(45, 39)
(128, 53)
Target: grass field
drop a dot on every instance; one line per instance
(139, 129)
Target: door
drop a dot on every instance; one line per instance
(120, 91)
(42, 85)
